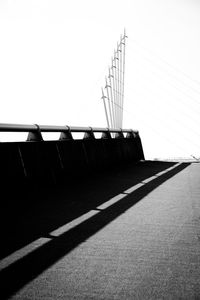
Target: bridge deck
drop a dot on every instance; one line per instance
(130, 234)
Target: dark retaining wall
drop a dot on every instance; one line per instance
(48, 162)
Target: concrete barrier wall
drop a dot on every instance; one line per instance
(47, 162)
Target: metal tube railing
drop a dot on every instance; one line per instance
(35, 130)
(5, 127)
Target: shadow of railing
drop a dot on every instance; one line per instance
(79, 211)
(30, 214)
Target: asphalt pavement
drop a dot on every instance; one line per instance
(132, 233)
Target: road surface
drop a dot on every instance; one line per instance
(132, 233)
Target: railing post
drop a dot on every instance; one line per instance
(35, 136)
(130, 135)
(66, 135)
(119, 135)
(89, 135)
(106, 134)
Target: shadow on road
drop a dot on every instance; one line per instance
(35, 214)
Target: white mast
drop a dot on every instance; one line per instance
(115, 87)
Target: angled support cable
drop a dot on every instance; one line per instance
(109, 104)
(112, 99)
(104, 102)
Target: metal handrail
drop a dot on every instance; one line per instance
(6, 127)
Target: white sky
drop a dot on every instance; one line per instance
(54, 56)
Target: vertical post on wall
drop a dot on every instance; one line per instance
(35, 136)
(114, 90)
(119, 51)
(89, 135)
(118, 87)
(106, 134)
(66, 135)
(123, 74)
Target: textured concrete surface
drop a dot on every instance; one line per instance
(130, 234)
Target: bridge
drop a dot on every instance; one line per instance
(92, 219)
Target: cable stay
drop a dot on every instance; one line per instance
(174, 86)
(154, 73)
(194, 80)
(164, 70)
(170, 93)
